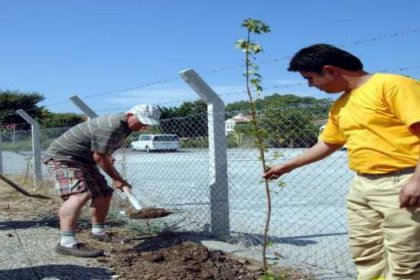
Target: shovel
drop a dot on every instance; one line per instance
(143, 213)
(20, 189)
(134, 202)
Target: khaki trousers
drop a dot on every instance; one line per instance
(384, 239)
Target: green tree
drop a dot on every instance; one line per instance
(10, 101)
(50, 119)
(244, 134)
(282, 100)
(187, 120)
(243, 106)
(289, 127)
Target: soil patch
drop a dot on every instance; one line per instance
(187, 261)
(170, 257)
(149, 213)
(174, 256)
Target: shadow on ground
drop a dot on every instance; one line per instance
(18, 224)
(257, 239)
(62, 272)
(169, 239)
(48, 221)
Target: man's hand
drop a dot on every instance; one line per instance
(106, 162)
(410, 194)
(119, 184)
(276, 171)
(317, 152)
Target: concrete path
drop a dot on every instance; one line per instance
(27, 253)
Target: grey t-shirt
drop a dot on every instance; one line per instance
(103, 134)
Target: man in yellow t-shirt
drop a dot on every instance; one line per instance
(377, 117)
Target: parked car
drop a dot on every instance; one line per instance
(156, 142)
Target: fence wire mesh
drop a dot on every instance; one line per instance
(308, 223)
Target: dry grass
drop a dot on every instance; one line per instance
(18, 205)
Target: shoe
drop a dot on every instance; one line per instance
(78, 250)
(108, 237)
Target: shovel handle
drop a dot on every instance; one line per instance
(20, 189)
(134, 202)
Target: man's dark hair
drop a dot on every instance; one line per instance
(315, 57)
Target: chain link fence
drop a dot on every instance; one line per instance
(308, 223)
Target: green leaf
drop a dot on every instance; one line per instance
(256, 48)
(281, 184)
(241, 44)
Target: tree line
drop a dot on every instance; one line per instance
(10, 101)
(288, 120)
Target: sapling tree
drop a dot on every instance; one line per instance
(254, 89)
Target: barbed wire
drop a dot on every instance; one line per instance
(226, 68)
(126, 108)
(160, 82)
(401, 69)
(357, 42)
(382, 37)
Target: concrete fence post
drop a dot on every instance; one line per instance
(1, 155)
(83, 107)
(219, 193)
(36, 145)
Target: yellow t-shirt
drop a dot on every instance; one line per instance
(373, 121)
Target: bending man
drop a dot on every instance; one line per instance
(74, 158)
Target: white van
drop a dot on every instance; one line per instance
(156, 142)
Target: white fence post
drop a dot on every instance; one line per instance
(36, 145)
(219, 192)
(83, 107)
(1, 155)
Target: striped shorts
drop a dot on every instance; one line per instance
(71, 178)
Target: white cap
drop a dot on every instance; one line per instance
(146, 113)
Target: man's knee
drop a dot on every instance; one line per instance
(79, 198)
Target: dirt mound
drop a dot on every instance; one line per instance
(149, 213)
(186, 261)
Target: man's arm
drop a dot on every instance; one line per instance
(319, 151)
(106, 163)
(410, 193)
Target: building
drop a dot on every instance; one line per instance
(230, 123)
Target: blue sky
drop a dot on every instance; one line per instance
(114, 54)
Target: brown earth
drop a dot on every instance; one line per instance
(173, 256)
(146, 255)
(149, 213)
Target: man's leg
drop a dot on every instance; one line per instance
(99, 211)
(401, 229)
(101, 200)
(69, 213)
(365, 233)
(71, 185)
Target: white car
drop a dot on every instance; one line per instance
(156, 142)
